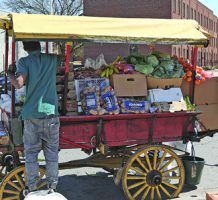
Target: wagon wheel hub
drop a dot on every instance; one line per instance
(154, 178)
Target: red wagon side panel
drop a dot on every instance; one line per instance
(123, 130)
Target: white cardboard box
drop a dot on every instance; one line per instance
(161, 95)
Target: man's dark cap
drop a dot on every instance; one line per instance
(31, 46)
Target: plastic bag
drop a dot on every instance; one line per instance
(110, 103)
(89, 63)
(134, 106)
(100, 61)
(90, 98)
(43, 195)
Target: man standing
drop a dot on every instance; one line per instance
(40, 112)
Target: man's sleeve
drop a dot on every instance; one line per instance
(21, 67)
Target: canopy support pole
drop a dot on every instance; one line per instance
(67, 70)
(46, 47)
(13, 50)
(194, 64)
(6, 61)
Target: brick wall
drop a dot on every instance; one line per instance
(124, 8)
(151, 9)
(128, 8)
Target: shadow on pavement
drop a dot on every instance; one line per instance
(188, 188)
(89, 187)
(215, 165)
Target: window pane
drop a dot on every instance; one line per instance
(174, 6)
(188, 12)
(179, 10)
(192, 17)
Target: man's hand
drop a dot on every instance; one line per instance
(18, 81)
(11, 70)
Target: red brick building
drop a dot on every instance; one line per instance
(168, 9)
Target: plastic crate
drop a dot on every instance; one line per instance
(83, 83)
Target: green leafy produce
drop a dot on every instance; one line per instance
(168, 65)
(157, 64)
(162, 70)
(157, 74)
(161, 56)
(133, 60)
(144, 69)
(152, 59)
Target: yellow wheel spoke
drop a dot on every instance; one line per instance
(25, 179)
(155, 159)
(158, 193)
(170, 170)
(136, 178)
(138, 171)
(161, 160)
(19, 181)
(139, 166)
(11, 192)
(170, 177)
(136, 185)
(147, 160)
(140, 191)
(41, 174)
(142, 165)
(165, 191)
(170, 185)
(41, 185)
(167, 164)
(152, 193)
(12, 198)
(146, 193)
(14, 185)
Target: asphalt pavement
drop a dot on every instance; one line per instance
(97, 184)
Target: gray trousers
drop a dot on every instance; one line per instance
(41, 134)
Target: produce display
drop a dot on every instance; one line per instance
(90, 91)
(157, 64)
(199, 74)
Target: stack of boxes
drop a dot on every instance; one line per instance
(206, 99)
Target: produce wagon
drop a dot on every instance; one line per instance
(128, 145)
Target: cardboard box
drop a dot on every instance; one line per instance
(161, 95)
(154, 83)
(205, 93)
(127, 85)
(212, 196)
(209, 116)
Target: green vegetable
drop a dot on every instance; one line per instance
(144, 69)
(151, 59)
(168, 65)
(133, 60)
(161, 56)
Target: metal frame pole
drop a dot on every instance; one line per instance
(6, 60)
(194, 64)
(46, 47)
(13, 55)
(67, 70)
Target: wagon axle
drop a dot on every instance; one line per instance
(154, 178)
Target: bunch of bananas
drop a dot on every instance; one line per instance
(111, 69)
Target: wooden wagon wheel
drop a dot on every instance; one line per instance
(13, 184)
(155, 172)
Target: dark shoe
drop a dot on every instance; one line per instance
(51, 191)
